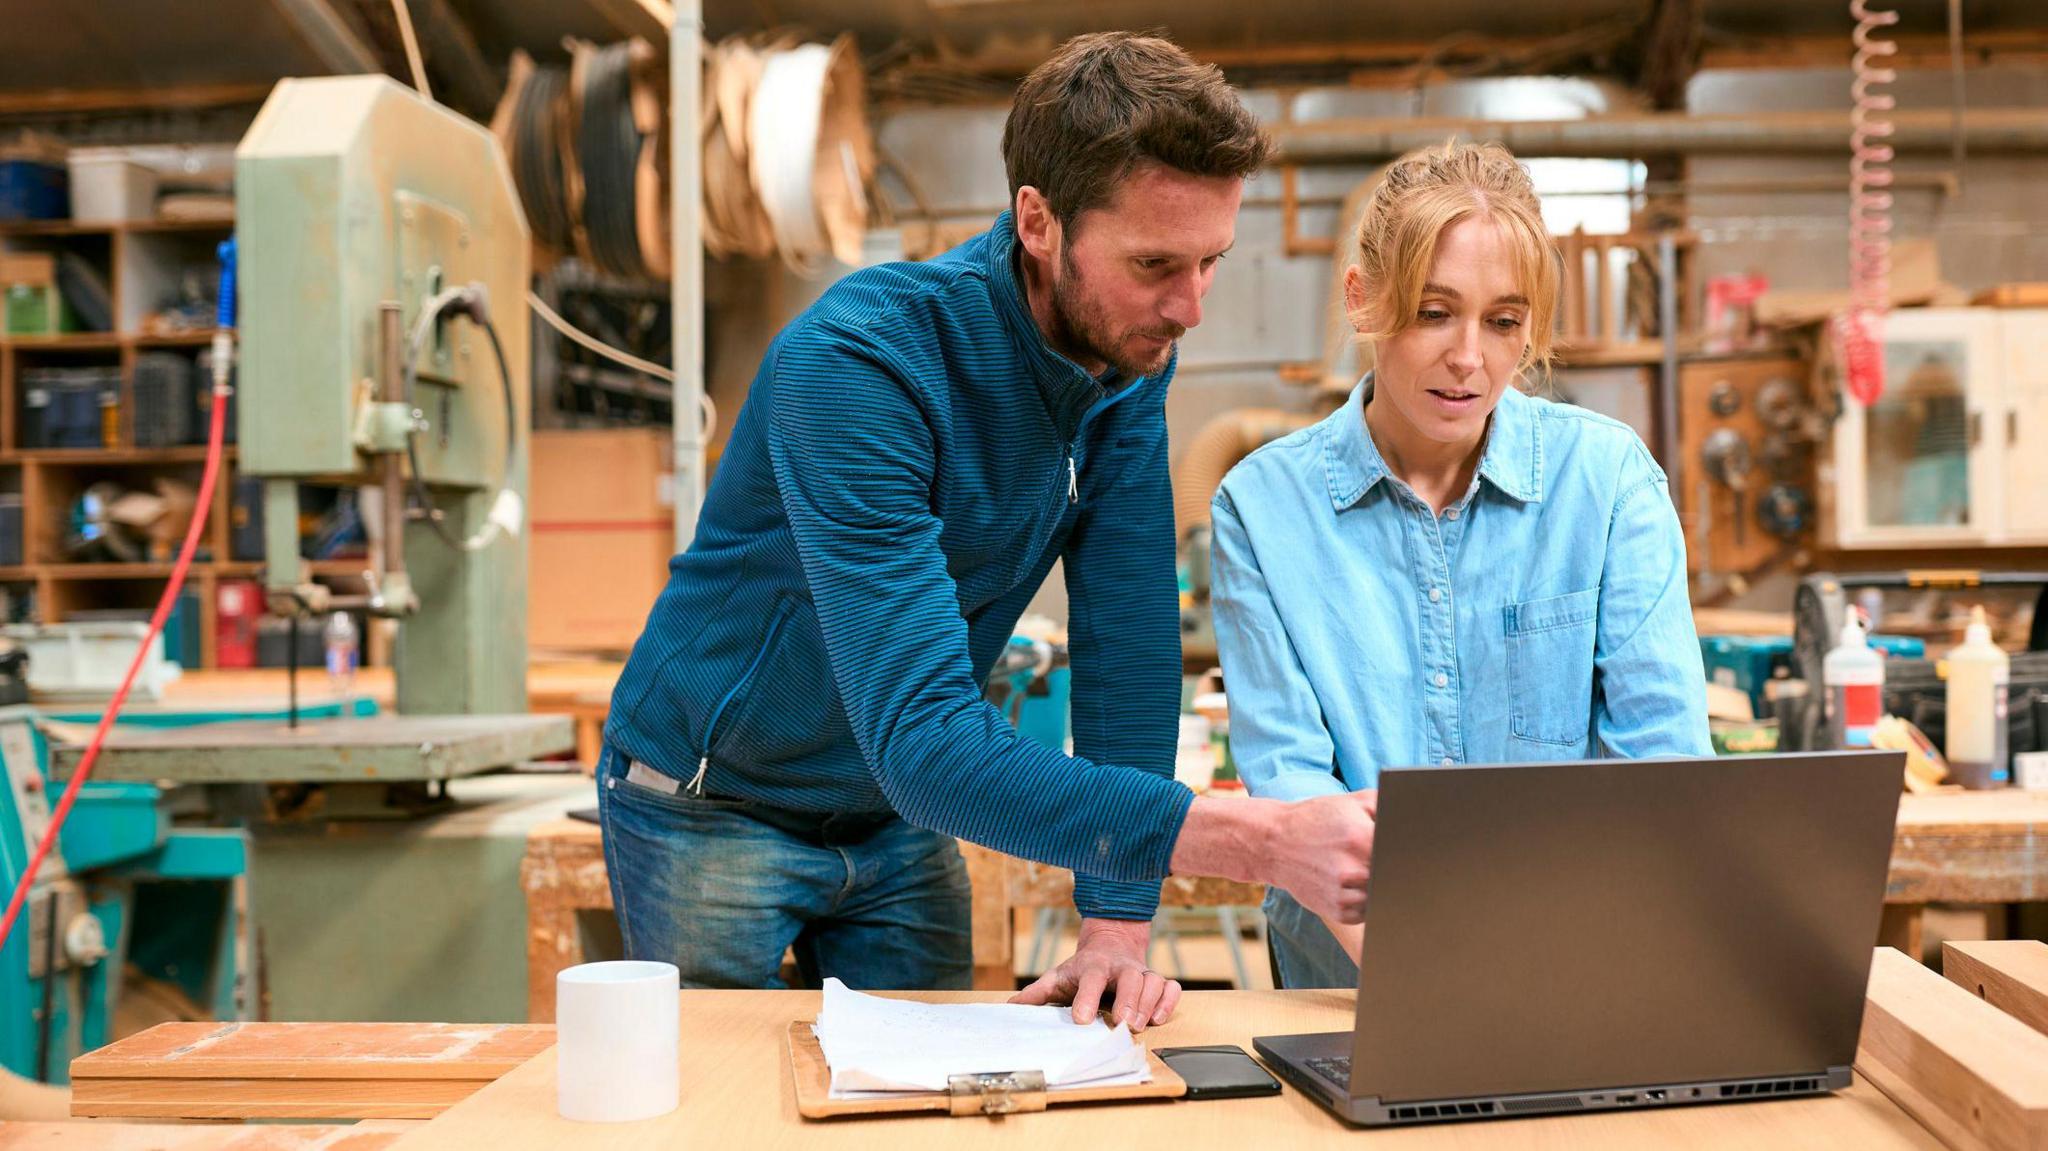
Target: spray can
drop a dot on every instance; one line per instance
(1977, 673)
(1854, 677)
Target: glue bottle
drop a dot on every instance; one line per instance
(1977, 673)
(1854, 677)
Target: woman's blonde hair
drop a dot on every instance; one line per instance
(1418, 198)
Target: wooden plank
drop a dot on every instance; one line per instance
(297, 1098)
(2009, 974)
(375, 1135)
(737, 1091)
(1970, 1073)
(372, 1051)
(298, 1070)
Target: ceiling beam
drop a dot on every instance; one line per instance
(68, 101)
(1668, 52)
(2001, 131)
(1916, 51)
(332, 36)
(649, 19)
(462, 74)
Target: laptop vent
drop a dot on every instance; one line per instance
(1553, 1103)
(1442, 1110)
(1769, 1087)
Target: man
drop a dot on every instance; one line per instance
(800, 732)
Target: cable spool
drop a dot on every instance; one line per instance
(734, 222)
(536, 158)
(788, 155)
(608, 145)
(809, 151)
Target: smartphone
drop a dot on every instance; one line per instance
(1219, 1072)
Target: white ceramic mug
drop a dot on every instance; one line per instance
(615, 1041)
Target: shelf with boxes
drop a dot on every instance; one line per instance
(104, 407)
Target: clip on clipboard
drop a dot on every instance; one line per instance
(991, 1093)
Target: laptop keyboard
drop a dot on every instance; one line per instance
(1335, 1068)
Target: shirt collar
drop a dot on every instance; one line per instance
(1512, 460)
(1068, 390)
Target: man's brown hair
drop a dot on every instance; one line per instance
(1109, 101)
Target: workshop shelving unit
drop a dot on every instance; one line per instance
(136, 259)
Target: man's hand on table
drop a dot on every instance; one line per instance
(1109, 957)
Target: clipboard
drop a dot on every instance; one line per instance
(998, 1093)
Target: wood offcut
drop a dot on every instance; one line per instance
(1969, 1072)
(298, 1070)
(2009, 974)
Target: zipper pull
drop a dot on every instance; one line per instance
(1073, 481)
(696, 785)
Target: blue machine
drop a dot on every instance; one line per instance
(1032, 683)
(122, 890)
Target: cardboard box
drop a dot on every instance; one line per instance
(603, 516)
(30, 303)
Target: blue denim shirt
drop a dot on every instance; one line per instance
(1543, 616)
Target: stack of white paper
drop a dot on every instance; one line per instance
(887, 1045)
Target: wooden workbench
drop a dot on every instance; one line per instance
(1934, 1062)
(736, 1093)
(1970, 847)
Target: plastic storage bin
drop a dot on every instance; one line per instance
(106, 185)
(11, 543)
(87, 660)
(164, 409)
(31, 190)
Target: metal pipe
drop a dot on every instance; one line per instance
(1943, 182)
(1356, 141)
(1956, 90)
(1669, 453)
(391, 390)
(686, 282)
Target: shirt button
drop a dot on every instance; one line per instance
(1448, 761)
(1435, 595)
(1442, 679)
(1452, 514)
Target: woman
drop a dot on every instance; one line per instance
(1447, 570)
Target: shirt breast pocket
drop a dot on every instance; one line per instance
(1550, 667)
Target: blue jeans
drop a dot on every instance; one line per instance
(720, 887)
(1308, 955)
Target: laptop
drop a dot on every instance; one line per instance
(1586, 936)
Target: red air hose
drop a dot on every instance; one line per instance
(216, 433)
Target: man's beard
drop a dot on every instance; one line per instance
(1081, 327)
